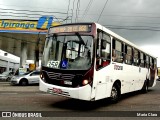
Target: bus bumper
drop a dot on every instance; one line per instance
(83, 93)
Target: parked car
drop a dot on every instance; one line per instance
(26, 78)
(6, 75)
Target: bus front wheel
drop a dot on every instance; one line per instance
(115, 93)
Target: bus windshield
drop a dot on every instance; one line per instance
(73, 52)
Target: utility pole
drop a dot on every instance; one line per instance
(36, 61)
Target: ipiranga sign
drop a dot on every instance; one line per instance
(27, 26)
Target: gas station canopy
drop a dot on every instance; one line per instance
(14, 33)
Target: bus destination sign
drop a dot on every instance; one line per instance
(70, 28)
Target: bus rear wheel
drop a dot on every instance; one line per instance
(145, 87)
(115, 94)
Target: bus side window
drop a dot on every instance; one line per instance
(105, 46)
(117, 52)
(155, 63)
(142, 60)
(136, 57)
(128, 51)
(113, 49)
(103, 50)
(151, 62)
(147, 61)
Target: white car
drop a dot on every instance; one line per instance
(25, 79)
(6, 76)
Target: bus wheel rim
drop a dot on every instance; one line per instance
(114, 93)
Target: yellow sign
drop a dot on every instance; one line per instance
(18, 25)
(21, 26)
(32, 67)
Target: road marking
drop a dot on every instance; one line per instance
(8, 93)
(42, 94)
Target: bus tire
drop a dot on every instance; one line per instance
(145, 87)
(23, 82)
(115, 93)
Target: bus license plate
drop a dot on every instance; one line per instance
(68, 82)
(55, 90)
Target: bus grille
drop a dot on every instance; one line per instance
(63, 79)
(60, 76)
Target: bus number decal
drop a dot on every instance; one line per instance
(53, 64)
(117, 67)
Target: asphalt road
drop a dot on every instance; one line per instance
(134, 105)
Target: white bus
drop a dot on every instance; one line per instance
(89, 62)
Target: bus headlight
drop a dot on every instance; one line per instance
(85, 82)
(42, 76)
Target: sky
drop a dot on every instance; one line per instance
(136, 20)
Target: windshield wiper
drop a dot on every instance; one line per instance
(80, 38)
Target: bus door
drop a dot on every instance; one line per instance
(103, 58)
